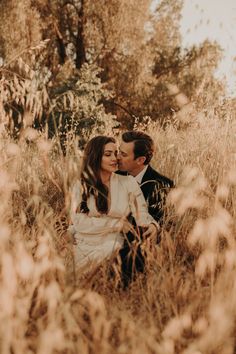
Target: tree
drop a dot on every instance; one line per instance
(20, 28)
(140, 59)
(77, 105)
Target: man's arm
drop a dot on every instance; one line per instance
(156, 199)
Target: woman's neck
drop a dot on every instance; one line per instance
(105, 177)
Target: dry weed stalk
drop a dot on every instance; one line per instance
(186, 301)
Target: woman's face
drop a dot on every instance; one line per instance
(109, 158)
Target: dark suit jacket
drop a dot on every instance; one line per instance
(155, 188)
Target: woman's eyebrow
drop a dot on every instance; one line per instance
(110, 150)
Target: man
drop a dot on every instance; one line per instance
(136, 152)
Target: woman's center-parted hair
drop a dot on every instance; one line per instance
(90, 173)
(143, 144)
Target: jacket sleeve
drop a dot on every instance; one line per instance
(157, 200)
(138, 204)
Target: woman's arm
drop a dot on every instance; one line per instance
(86, 224)
(76, 198)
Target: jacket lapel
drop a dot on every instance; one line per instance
(146, 184)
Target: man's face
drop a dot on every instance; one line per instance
(126, 160)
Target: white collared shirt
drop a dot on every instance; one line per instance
(139, 177)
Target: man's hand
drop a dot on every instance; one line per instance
(127, 227)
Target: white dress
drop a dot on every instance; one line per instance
(98, 235)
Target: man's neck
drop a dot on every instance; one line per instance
(135, 172)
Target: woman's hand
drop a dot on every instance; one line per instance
(151, 231)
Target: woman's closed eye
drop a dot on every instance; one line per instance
(110, 154)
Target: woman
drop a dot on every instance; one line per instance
(101, 201)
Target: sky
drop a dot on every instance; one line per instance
(215, 20)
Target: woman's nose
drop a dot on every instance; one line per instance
(114, 158)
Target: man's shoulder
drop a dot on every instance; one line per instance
(155, 176)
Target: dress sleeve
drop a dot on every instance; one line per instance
(90, 225)
(76, 197)
(138, 204)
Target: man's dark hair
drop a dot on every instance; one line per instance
(143, 144)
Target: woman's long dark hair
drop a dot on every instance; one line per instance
(90, 174)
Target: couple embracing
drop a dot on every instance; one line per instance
(117, 195)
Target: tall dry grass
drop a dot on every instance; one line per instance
(186, 301)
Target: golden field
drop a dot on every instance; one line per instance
(186, 303)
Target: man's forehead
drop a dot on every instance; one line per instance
(127, 147)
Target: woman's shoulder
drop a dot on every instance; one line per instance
(126, 180)
(123, 178)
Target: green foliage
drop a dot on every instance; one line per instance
(23, 92)
(191, 71)
(77, 104)
(71, 103)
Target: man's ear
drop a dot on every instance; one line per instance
(141, 160)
